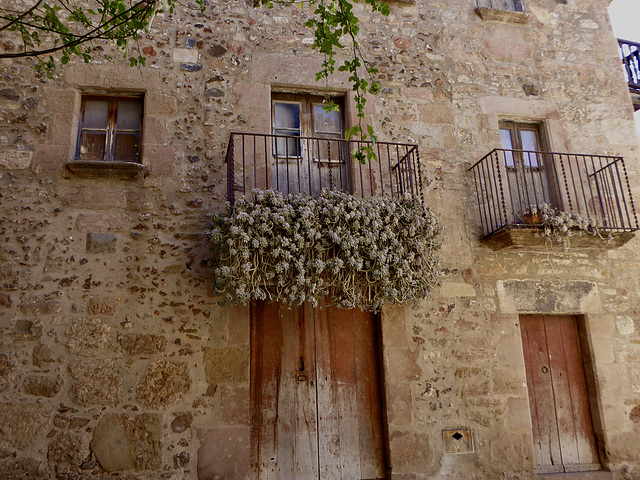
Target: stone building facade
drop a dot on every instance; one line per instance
(116, 360)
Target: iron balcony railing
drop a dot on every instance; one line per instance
(510, 183)
(630, 52)
(294, 164)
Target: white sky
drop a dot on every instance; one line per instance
(624, 20)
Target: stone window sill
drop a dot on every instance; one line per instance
(119, 170)
(505, 16)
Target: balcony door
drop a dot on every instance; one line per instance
(309, 153)
(527, 174)
(315, 394)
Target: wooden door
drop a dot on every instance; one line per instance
(315, 389)
(562, 428)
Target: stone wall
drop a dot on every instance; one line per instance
(116, 359)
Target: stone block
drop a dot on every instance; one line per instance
(185, 55)
(413, 452)
(126, 442)
(227, 365)
(64, 124)
(234, 405)
(518, 415)
(61, 100)
(97, 382)
(156, 104)
(88, 337)
(42, 355)
(68, 449)
(181, 422)
(394, 326)
(5, 300)
(161, 160)
(96, 199)
(49, 158)
(545, 296)
(7, 371)
(23, 468)
(164, 384)
(101, 243)
(40, 308)
(436, 113)
(22, 423)
(15, 159)
(142, 344)
(496, 47)
(521, 50)
(224, 453)
(625, 325)
(102, 222)
(401, 364)
(102, 306)
(478, 389)
(252, 94)
(239, 324)
(154, 130)
(42, 386)
(457, 289)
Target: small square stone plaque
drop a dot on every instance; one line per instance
(457, 441)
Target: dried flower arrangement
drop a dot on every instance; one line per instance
(358, 252)
(557, 225)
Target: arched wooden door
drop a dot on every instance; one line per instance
(316, 395)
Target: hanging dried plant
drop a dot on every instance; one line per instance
(358, 253)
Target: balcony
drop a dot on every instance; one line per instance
(294, 164)
(510, 184)
(630, 53)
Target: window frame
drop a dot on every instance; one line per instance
(516, 128)
(111, 129)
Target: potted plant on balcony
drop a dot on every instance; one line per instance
(356, 252)
(558, 226)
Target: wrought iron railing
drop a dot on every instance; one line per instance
(630, 52)
(510, 183)
(293, 164)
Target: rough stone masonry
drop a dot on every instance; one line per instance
(116, 360)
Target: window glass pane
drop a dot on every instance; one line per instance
(286, 115)
(507, 144)
(127, 147)
(530, 142)
(286, 147)
(129, 115)
(96, 113)
(326, 122)
(92, 146)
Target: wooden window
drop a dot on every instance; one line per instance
(511, 5)
(530, 173)
(110, 129)
(522, 136)
(308, 152)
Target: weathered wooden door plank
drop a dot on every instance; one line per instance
(587, 452)
(545, 429)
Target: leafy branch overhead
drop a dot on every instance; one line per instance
(57, 31)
